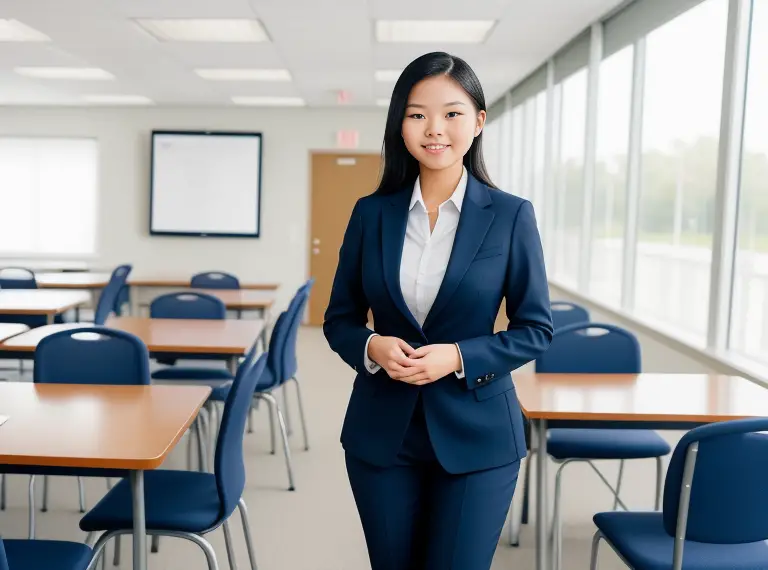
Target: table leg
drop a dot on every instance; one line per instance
(232, 365)
(543, 557)
(49, 318)
(139, 522)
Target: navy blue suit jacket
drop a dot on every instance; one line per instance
(474, 423)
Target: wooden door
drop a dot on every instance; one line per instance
(338, 181)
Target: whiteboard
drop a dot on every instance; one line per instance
(205, 184)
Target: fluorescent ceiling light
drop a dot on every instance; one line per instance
(382, 102)
(190, 30)
(84, 73)
(244, 74)
(118, 99)
(431, 31)
(388, 75)
(15, 31)
(270, 101)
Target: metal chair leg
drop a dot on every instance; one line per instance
(557, 520)
(250, 419)
(155, 547)
(273, 403)
(595, 545)
(247, 532)
(659, 482)
(230, 548)
(618, 484)
(116, 555)
(44, 507)
(3, 492)
(81, 493)
(272, 433)
(302, 417)
(31, 507)
(286, 410)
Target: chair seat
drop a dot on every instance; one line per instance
(168, 496)
(220, 393)
(643, 542)
(565, 443)
(46, 555)
(192, 373)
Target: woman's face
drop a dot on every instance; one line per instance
(440, 122)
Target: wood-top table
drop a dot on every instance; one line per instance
(131, 428)
(7, 330)
(645, 401)
(40, 302)
(227, 337)
(79, 280)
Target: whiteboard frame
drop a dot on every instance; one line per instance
(255, 134)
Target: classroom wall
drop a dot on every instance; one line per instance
(281, 254)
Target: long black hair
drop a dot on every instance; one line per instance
(400, 167)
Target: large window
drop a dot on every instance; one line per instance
(48, 190)
(518, 155)
(492, 149)
(749, 317)
(681, 120)
(609, 205)
(569, 186)
(539, 144)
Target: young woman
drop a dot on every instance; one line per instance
(433, 432)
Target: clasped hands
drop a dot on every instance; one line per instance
(415, 366)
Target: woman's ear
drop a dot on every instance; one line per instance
(481, 116)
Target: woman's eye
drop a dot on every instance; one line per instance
(453, 114)
(416, 116)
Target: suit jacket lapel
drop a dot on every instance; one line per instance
(394, 220)
(475, 219)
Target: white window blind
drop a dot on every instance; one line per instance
(48, 196)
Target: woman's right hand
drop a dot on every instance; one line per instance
(393, 355)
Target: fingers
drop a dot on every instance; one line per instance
(405, 347)
(417, 379)
(397, 371)
(421, 352)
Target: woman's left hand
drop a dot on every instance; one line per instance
(435, 362)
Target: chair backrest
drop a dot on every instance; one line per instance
(289, 360)
(123, 296)
(187, 305)
(728, 495)
(214, 280)
(229, 465)
(17, 278)
(108, 298)
(3, 558)
(565, 313)
(91, 355)
(591, 348)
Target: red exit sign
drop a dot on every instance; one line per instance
(347, 138)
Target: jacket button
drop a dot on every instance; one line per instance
(479, 380)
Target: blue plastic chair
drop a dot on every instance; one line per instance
(123, 296)
(43, 555)
(188, 305)
(565, 313)
(17, 278)
(596, 348)
(280, 368)
(715, 505)
(83, 355)
(108, 299)
(190, 504)
(214, 280)
(22, 278)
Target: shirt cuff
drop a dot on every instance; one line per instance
(370, 366)
(460, 373)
